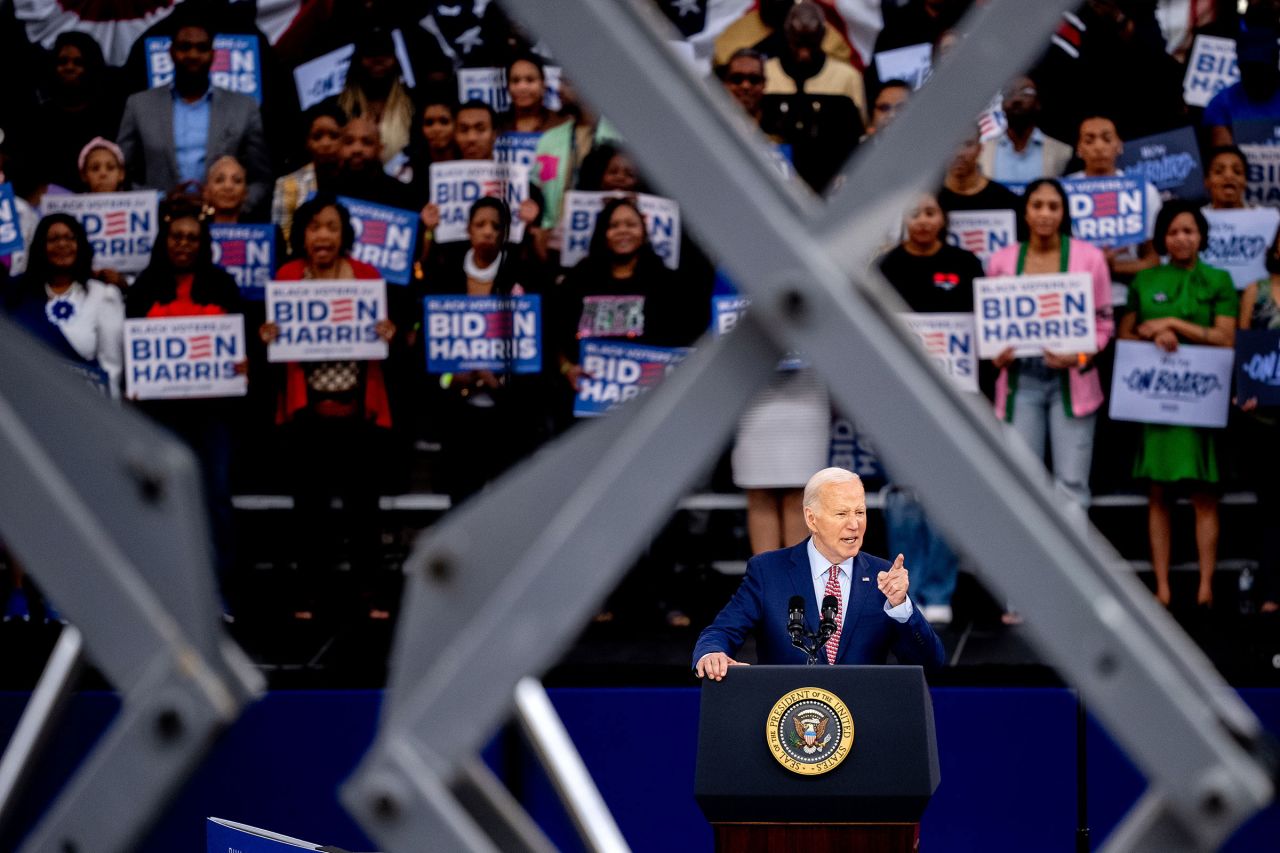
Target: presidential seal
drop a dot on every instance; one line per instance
(809, 731)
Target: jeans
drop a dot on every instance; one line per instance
(933, 565)
(1038, 409)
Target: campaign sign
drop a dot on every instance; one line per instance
(1210, 69)
(324, 76)
(1170, 161)
(484, 84)
(615, 373)
(122, 227)
(385, 237)
(518, 148)
(237, 66)
(661, 220)
(1263, 186)
(10, 229)
(327, 320)
(1258, 366)
(458, 184)
(178, 358)
(1034, 313)
(483, 333)
(983, 232)
(852, 451)
(1238, 242)
(912, 64)
(1108, 212)
(948, 341)
(248, 253)
(1188, 387)
(726, 311)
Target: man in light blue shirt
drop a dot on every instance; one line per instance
(169, 135)
(1023, 153)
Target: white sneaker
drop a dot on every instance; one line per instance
(937, 614)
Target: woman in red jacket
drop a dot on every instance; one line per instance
(335, 414)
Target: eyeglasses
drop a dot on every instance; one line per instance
(739, 79)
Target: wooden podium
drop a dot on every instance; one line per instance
(798, 759)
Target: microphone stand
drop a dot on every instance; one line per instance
(810, 642)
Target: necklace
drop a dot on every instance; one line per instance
(476, 273)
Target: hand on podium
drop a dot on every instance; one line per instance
(715, 665)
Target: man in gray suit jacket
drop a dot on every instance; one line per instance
(172, 134)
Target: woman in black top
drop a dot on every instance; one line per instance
(488, 419)
(621, 289)
(929, 274)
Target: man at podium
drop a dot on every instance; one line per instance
(873, 616)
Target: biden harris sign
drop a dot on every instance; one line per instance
(184, 357)
(122, 227)
(1034, 313)
(497, 333)
(327, 320)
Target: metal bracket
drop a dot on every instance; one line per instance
(105, 509)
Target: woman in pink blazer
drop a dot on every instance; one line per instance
(1057, 395)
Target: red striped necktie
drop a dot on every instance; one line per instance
(833, 588)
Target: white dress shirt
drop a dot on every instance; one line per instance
(818, 568)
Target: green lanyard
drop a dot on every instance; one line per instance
(1064, 249)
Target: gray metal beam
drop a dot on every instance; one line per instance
(105, 510)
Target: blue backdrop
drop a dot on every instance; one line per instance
(1008, 768)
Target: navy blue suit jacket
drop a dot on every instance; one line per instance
(868, 633)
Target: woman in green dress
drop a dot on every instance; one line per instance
(1183, 301)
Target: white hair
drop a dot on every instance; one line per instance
(826, 477)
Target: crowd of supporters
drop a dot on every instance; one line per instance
(344, 428)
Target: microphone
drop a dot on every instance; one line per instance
(795, 620)
(827, 624)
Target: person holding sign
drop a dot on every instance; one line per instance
(1238, 229)
(931, 277)
(60, 301)
(1057, 395)
(101, 165)
(620, 290)
(432, 143)
(170, 134)
(1184, 300)
(1260, 309)
(488, 423)
(1255, 100)
(182, 281)
(335, 414)
(1099, 146)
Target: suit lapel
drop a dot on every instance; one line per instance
(858, 592)
(802, 581)
(217, 106)
(166, 103)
